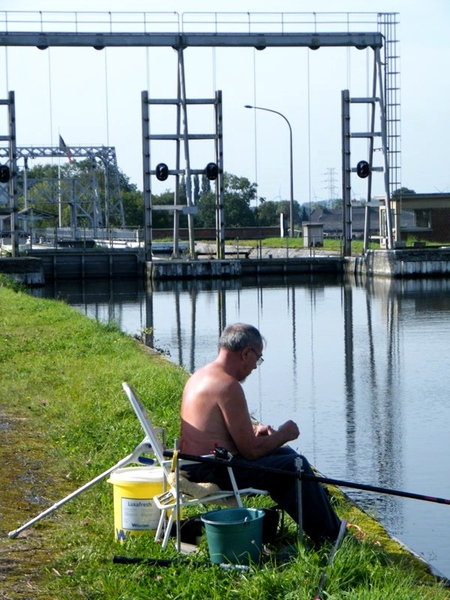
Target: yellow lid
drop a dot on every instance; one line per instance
(137, 474)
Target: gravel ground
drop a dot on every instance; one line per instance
(207, 249)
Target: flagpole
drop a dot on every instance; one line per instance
(62, 146)
(59, 193)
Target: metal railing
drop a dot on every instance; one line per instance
(80, 237)
(173, 22)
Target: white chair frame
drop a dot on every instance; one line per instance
(171, 501)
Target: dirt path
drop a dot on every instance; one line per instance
(23, 485)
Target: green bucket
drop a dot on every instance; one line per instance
(234, 535)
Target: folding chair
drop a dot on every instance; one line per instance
(171, 502)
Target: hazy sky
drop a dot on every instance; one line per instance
(93, 98)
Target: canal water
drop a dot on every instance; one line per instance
(362, 367)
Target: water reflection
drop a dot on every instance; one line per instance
(361, 366)
(383, 386)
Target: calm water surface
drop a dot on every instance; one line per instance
(362, 368)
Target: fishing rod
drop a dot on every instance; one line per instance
(377, 489)
(156, 562)
(168, 562)
(222, 459)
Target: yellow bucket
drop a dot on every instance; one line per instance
(134, 509)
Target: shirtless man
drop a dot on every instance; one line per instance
(214, 413)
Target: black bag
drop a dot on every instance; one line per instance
(191, 529)
(271, 522)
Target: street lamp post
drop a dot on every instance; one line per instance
(291, 164)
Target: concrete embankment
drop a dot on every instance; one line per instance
(404, 263)
(50, 265)
(28, 271)
(401, 263)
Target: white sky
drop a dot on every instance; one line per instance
(93, 98)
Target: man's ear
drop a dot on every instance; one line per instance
(245, 352)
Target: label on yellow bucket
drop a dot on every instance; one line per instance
(139, 514)
(134, 489)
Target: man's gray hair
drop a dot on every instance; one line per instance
(238, 336)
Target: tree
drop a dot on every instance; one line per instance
(196, 189)
(238, 193)
(336, 203)
(132, 201)
(285, 208)
(162, 219)
(182, 190)
(133, 208)
(238, 213)
(206, 216)
(240, 186)
(267, 214)
(206, 185)
(402, 191)
(304, 213)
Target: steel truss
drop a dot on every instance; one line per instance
(82, 195)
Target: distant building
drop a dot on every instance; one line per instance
(424, 216)
(331, 218)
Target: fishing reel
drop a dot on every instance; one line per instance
(222, 453)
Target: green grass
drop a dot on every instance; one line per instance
(61, 391)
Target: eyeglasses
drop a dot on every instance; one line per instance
(259, 357)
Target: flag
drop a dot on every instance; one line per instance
(65, 148)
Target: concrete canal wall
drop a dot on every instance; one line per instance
(94, 264)
(72, 264)
(28, 271)
(188, 269)
(404, 263)
(201, 269)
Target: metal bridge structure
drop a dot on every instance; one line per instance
(365, 30)
(83, 196)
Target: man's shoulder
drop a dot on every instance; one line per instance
(214, 371)
(213, 379)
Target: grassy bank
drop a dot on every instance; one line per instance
(64, 420)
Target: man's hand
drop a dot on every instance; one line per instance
(261, 430)
(290, 429)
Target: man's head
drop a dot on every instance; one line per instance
(245, 344)
(239, 336)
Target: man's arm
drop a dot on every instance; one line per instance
(252, 443)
